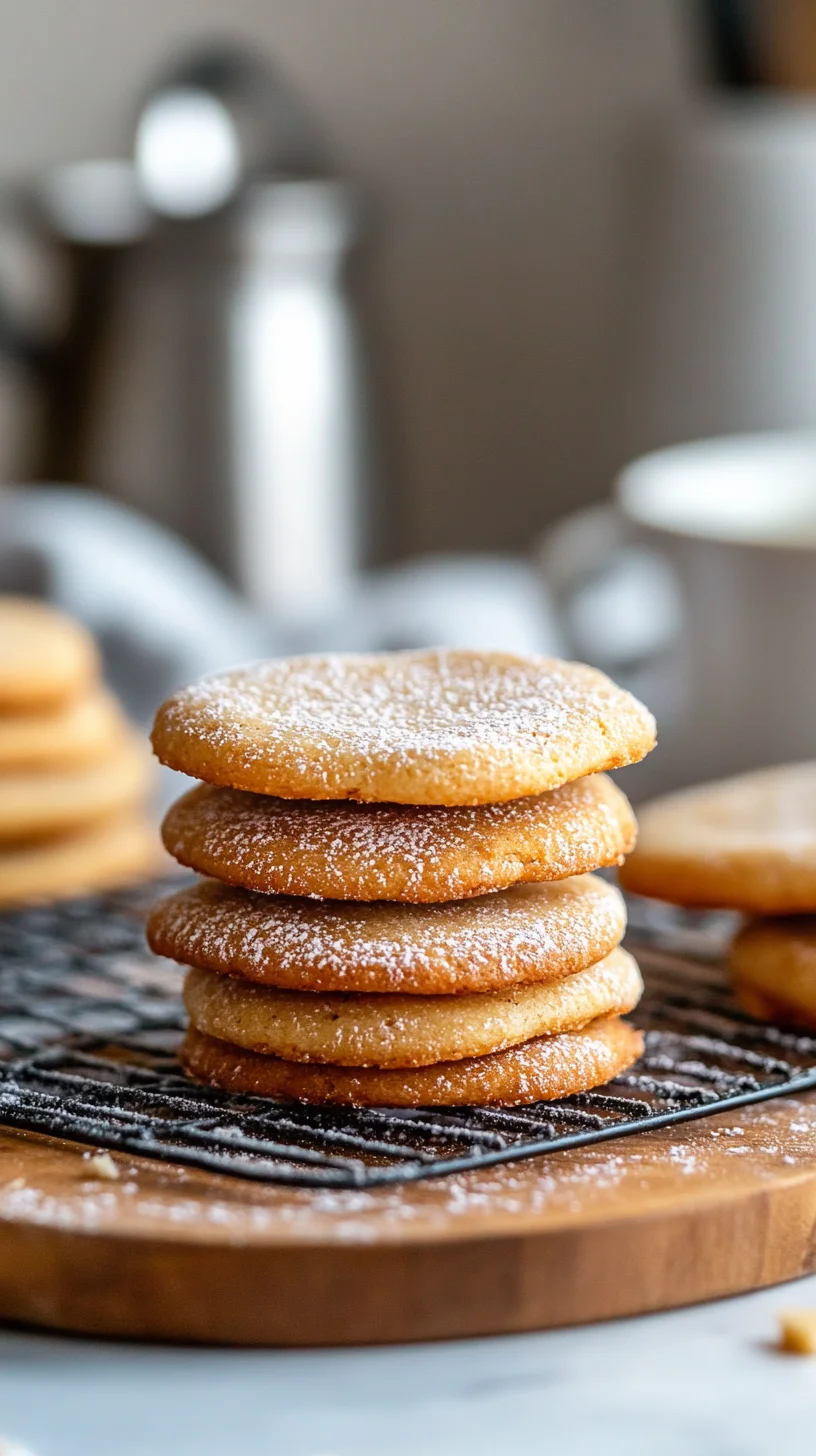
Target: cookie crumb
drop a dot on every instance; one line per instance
(14, 1187)
(101, 1165)
(798, 1331)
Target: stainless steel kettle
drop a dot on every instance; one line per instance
(197, 352)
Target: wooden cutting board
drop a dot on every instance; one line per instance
(661, 1219)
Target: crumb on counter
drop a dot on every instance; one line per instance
(798, 1331)
(101, 1165)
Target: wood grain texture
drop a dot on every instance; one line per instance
(654, 1221)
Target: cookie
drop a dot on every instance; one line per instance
(438, 727)
(341, 851)
(35, 804)
(78, 732)
(108, 854)
(773, 970)
(526, 933)
(539, 1070)
(404, 1031)
(746, 843)
(46, 658)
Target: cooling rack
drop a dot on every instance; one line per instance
(90, 1022)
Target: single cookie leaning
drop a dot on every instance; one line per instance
(404, 1031)
(773, 970)
(524, 934)
(746, 843)
(441, 727)
(341, 851)
(87, 728)
(540, 1070)
(45, 657)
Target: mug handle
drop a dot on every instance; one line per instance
(617, 602)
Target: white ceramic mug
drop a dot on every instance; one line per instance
(724, 318)
(697, 587)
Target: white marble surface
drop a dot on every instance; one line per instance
(698, 1382)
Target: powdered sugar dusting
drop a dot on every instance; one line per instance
(588, 1182)
(529, 932)
(393, 851)
(477, 726)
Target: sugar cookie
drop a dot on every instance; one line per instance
(526, 933)
(343, 851)
(404, 1031)
(745, 843)
(436, 727)
(539, 1070)
(773, 970)
(77, 732)
(107, 854)
(45, 657)
(34, 804)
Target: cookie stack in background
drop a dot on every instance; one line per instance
(746, 844)
(73, 776)
(398, 907)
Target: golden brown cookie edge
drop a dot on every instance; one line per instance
(541, 1070)
(370, 1031)
(165, 940)
(606, 832)
(180, 741)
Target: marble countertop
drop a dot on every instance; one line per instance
(708, 1381)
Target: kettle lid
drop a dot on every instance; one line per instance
(216, 120)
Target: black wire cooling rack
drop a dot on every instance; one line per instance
(90, 1021)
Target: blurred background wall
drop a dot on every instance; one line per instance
(500, 140)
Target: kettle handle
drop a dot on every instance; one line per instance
(618, 602)
(20, 342)
(20, 346)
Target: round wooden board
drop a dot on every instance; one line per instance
(661, 1219)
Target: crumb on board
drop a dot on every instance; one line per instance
(13, 1187)
(798, 1331)
(101, 1165)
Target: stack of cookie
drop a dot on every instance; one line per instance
(746, 844)
(397, 907)
(73, 775)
